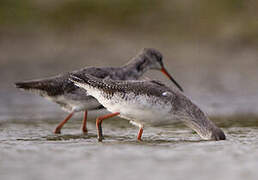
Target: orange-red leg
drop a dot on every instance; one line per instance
(139, 137)
(84, 123)
(99, 122)
(61, 124)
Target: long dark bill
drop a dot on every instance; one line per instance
(164, 71)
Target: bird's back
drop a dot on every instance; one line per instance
(59, 85)
(149, 100)
(63, 92)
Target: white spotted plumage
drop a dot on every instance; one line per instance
(149, 103)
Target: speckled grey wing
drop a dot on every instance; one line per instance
(111, 86)
(63, 92)
(60, 85)
(53, 86)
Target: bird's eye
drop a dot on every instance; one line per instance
(159, 59)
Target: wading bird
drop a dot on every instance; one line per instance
(147, 102)
(73, 99)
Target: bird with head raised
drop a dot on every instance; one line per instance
(147, 59)
(73, 99)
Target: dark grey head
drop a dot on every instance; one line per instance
(218, 134)
(194, 118)
(204, 127)
(152, 59)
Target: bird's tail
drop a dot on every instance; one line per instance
(41, 87)
(29, 85)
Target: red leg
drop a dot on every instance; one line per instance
(99, 122)
(84, 123)
(61, 124)
(139, 137)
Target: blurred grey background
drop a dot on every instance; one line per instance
(210, 47)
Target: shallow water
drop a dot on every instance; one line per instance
(29, 150)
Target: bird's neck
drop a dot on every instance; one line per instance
(136, 67)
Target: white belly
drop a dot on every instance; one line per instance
(141, 109)
(71, 105)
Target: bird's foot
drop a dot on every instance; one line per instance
(57, 131)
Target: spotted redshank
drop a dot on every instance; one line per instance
(73, 99)
(147, 103)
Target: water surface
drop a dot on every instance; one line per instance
(29, 150)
